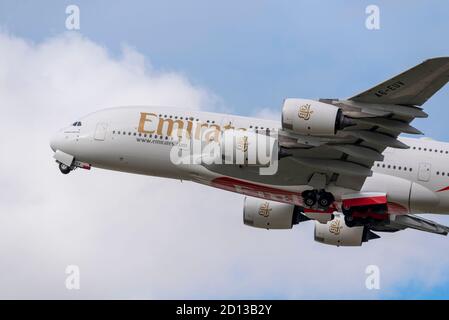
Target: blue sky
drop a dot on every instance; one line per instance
(253, 54)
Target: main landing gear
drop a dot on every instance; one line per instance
(365, 215)
(320, 198)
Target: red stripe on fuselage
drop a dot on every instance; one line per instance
(258, 191)
(365, 201)
(279, 195)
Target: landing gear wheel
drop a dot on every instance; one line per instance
(325, 199)
(309, 198)
(349, 220)
(324, 202)
(65, 169)
(310, 201)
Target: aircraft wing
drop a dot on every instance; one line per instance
(414, 222)
(379, 116)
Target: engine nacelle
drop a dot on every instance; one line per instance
(266, 214)
(337, 233)
(248, 148)
(313, 118)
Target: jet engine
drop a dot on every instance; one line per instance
(312, 118)
(248, 148)
(266, 214)
(337, 233)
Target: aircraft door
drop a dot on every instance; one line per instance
(100, 131)
(424, 171)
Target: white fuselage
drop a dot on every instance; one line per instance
(139, 140)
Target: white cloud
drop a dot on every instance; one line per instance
(143, 237)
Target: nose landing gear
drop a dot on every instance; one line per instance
(65, 169)
(323, 198)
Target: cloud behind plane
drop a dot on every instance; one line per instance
(143, 237)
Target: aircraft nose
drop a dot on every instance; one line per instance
(53, 144)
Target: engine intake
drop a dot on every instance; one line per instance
(266, 214)
(313, 118)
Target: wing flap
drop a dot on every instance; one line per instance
(418, 223)
(389, 124)
(337, 166)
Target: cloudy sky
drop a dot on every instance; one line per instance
(142, 237)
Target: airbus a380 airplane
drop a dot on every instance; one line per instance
(339, 162)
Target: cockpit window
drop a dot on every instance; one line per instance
(77, 124)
